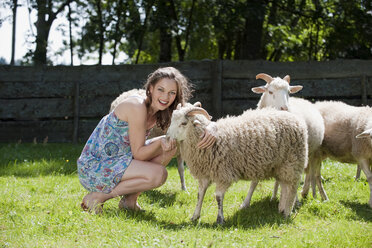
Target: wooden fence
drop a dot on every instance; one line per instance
(65, 103)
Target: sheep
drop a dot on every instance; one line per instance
(347, 137)
(155, 131)
(276, 94)
(257, 145)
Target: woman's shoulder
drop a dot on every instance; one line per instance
(130, 106)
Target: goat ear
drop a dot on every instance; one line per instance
(295, 89)
(197, 104)
(365, 134)
(287, 78)
(179, 106)
(259, 90)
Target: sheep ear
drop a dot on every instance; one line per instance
(287, 78)
(179, 106)
(365, 134)
(295, 89)
(259, 90)
(197, 104)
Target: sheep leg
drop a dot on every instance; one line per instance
(181, 171)
(306, 187)
(314, 177)
(364, 164)
(290, 198)
(282, 198)
(275, 191)
(220, 193)
(357, 176)
(203, 186)
(247, 201)
(318, 165)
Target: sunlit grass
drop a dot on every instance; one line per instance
(41, 194)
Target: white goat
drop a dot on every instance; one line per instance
(257, 145)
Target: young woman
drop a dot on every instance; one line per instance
(117, 160)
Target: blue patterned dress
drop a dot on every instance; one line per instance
(106, 155)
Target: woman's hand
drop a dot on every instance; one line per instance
(168, 144)
(208, 138)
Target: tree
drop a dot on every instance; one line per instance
(46, 13)
(14, 7)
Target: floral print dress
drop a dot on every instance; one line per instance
(106, 155)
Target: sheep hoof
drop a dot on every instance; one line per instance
(220, 220)
(194, 218)
(243, 206)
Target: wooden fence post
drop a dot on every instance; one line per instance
(75, 134)
(216, 83)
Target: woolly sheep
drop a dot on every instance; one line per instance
(347, 137)
(257, 145)
(155, 131)
(276, 94)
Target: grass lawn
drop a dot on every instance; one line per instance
(41, 194)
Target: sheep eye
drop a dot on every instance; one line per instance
(270, 92)
(183, 123)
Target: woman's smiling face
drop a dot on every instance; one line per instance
(163, 93)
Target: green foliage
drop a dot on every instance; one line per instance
(274, 30)
(40, 201)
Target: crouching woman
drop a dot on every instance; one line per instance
(117, 160)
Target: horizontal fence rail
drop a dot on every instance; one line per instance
(64, 104)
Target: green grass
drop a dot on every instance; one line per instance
(40, 198)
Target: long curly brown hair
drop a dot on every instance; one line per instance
(184, 90)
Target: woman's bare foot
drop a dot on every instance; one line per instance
(92, 204)
(124, 203)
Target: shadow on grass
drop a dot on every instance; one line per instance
(31, 160)
(161, 199)
(264, 212)
(363, 211)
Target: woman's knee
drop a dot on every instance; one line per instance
(161, 176)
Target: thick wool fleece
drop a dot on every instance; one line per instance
(259, 144)
(342, 123)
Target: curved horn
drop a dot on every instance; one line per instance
(265, 77)
(198, 110)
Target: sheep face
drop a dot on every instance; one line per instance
(275, 92)
(184, 117)
(177, 128)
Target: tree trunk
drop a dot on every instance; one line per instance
(15, 5)
(165, 54)
(252, 35)
(101, 31)
(165, 45)
(117, 34)
(45, 18)
(144, 26)
(70, 34)
(182, 50)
